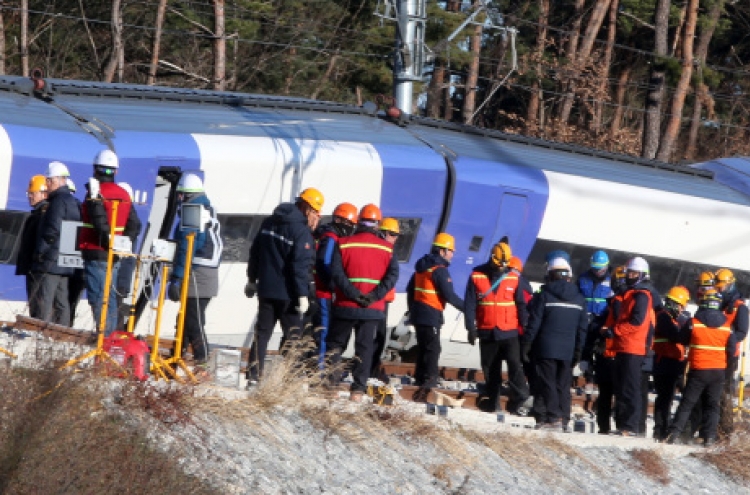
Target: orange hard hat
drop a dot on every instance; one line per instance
(346, 211)
(370, 212)
(390, 225)
(515, 263)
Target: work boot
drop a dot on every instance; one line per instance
(708, 442)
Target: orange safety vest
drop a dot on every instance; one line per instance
(425, 290)
(365, 258)
(498, 308)
(663, 347)
(730, 320)
(629, 338)
(708, 346)
(610, 323)
(89, 238)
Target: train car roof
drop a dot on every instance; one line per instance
(102, 108)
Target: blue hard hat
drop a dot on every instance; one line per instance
(599, 260)
(557, 254)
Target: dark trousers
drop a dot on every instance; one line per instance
(364, 340)
(643, 416)
(553, 383)
(604, 369)
(628, 391)
(667, 374)
(492, 354)
(49, 298)
(321, 323)
(271, 311)
(703, 386)
(381, 338)
(194, 333)
(76, 285)
(426, 371)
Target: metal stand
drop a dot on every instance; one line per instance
(99, 353)
(159, 366)
(741, 394)
(8, 353)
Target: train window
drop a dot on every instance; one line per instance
(238, 232)
(11, 224)
(476, 243)
(409, 229)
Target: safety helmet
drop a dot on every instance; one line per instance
(190, 183)
(558, 269)
(724, 279)
(705, 279)
(370, 213)
(711, 298)
(71, 185)
(599, 260)
(444, 241)
(57, 169)
(106, 159)
(347, 211)
(312, 197)
(620, 272)
(38, 183)
(390, 225)
(559, 253)
(128, 189)
(501, 254)
(679, 294)
(515, 263)
(637, 264)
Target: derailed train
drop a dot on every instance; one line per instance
(255, 151)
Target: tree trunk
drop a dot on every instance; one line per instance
(678, 100)
(2, 42)
(655, 94)
(220, 46)
(575, 29)
(596, 122)
(326, 76)
(25, 38)
(532, 112)
(434, 91)
(160, 10)
(622, 88)
(114, 58)
(584, 52)
(447, 97)
(701, 90)
(472, 76)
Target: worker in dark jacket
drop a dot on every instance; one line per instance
(389, 230)
(669, 357)
(553, 340)
(494, 309)
(280, 269)
(708, 337)
(364, 271)
(52, 279)
(37, 196)
(429, 290)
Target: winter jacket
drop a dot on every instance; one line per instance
(633, 329)
(327, 236)
(558, 322)
(29, 236)
(96, 216)
(282, 255)
(709, 339)
(207, 248)
(434, 268)
(61, 206)
(596, 291)
(736, 310)
(471, 298)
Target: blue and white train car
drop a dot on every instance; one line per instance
(257, 151)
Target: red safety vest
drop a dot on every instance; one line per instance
(663, 347)
(730, 320)
(629, 338)
(366, 258)
(89, 239)
(497, 309)
(708, 346)
(425, 290)
(321, 291)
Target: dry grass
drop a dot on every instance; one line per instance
(733, 458)
(650, 463)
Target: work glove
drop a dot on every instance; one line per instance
(251, 289)
(174, 290)
(303, 305)
(93, 187)
(583, 366)
(472, 336)
(526, 352)
(364, 300)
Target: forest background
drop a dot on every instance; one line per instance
(657, 78)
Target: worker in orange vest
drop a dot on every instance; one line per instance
(429, 290)
(494, 307)
(389, 231)
(708, 336)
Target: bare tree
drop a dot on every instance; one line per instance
(622, 86)
(674, 121)
(535, 97)
(220, 46)
(25, 38)
(160, 12)
(472, 76)
(116, 57)
(596, 122)
(2, 40)
(655, 96)
(435, 89)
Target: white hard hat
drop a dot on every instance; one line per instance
(558, 264)
(190, 183)
(128, 188)
(106, 158)
(71, 184)
(637, 264)
(57, 169)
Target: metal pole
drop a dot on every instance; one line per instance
(409, 43)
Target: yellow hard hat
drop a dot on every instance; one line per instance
(390, 225)
(445, 241)
(312, 197)
(679, 294)
(710, 298)
(38, 183)
(501, 254)
(705, 279)
(724, 279)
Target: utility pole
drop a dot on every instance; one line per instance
(409, 54)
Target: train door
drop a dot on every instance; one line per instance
(512, 218)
